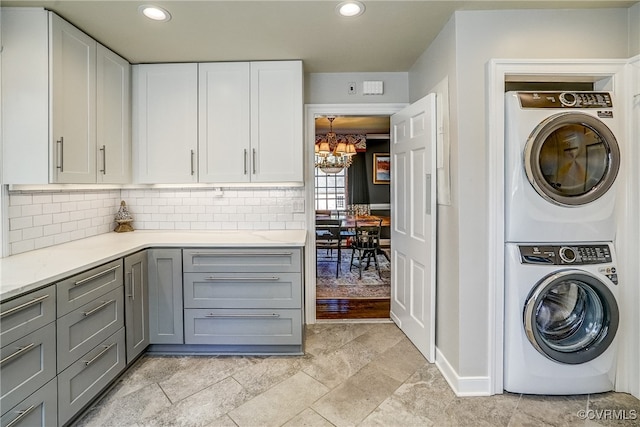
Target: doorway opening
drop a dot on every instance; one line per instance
(352, 197)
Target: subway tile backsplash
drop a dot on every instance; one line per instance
(41, 219)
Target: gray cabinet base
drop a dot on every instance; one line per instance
(213, 350)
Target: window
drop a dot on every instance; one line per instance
(331, 190)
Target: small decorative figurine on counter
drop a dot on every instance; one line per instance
(124, 219)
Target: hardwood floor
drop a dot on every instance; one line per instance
(353, 308)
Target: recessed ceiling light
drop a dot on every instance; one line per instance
(350, 8)
(154, 12)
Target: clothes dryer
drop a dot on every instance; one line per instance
(561, 318)
(561, 162)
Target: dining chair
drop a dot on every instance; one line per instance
(328, 237)
(365, 245)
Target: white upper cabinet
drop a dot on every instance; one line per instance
(113, 118)
(73, 103)
(276, 121)
(224, 122)
(165, 123)
(250, 122)
(61, 102)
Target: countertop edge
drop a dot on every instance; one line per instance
(44, 267)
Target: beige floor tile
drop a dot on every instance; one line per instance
(614, 409)
(205, 407)
(393, 412)
(326, 337)
(308, 418)
(554, 410)
(132, 409)
(280, 403)
(199, 374)
(267, 372)
(400, 361)
(491, 411)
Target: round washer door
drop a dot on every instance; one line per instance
(571, 316)
(571, 158)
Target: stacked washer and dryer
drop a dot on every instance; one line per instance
(561, 309)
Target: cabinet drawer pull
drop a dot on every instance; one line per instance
(60, 143)
(99, 355)
(241, 253)
(20, 351)
(98, 308)
(132, 285)
(243, 279)
(23, 306)
(193, 171)
(95, 276)
(104, 160)
(235, 316)
(21, 414)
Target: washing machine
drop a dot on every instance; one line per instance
(561, 162)
(561, 318)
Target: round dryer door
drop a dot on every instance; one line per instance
(571, 317)
(571, 158)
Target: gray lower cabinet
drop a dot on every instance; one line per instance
(84, 328)
(136, 304)
(38, 410)
(165, 296)
(84, 379)
(26, 365)
(244, 299)
(25, 314)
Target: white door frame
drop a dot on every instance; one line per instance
(311, 112)
(608, 75)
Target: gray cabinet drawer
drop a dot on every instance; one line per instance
(87, 286)
(236, 326)
(283, 260)
(38, 410)
(26, 365)
(242, 290)
(81, 382)
(25, 314)
(82, 329)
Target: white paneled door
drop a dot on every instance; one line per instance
(413, 232)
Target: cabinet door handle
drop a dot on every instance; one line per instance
(243, 279)
(253, 161)
(104, 160)
(234, 316)
(98, 308)
(60, 144)
(21, 350)
(23, 306)
(21, 414)
(193, 171)
(133, 284)
(95, 276)
(99, 355)
(245, 161)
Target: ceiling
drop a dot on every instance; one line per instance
(388, 37)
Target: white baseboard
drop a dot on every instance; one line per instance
(462, 386)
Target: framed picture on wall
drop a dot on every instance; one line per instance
(381, 168)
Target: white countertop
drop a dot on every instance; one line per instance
(28, 271)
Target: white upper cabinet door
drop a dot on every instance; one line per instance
(73, 114)
(113, 119)
(276, 121)
(165, 123)
(224, 122)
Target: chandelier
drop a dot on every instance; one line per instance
(333, 156)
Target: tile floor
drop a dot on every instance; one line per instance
(352, 374)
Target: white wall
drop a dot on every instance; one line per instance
(634, 30)
(480, 36)
(332, 88)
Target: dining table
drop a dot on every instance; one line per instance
(349, 221)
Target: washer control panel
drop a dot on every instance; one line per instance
(565, 255)
(565, 99)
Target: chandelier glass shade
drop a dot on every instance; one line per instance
(332, 156)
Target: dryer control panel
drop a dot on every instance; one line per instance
(566, 255)
(565, 99)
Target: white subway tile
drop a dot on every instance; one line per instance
(22, 246)
(43, 242)
(14, 211)
(42, 198)
(20, 222)
(20, 199)
(49, 230)
(32, 233)
(60, 197)
(15, 236)
(61, 238)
